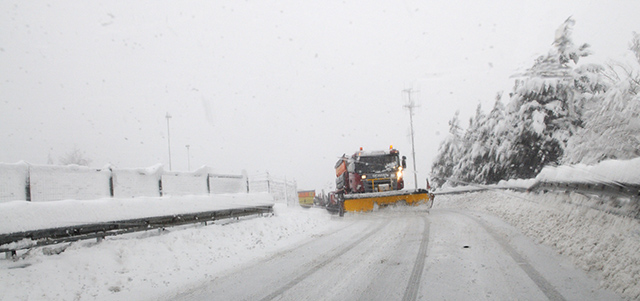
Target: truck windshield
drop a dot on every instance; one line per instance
(374, 164)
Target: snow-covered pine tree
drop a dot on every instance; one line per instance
(545, 108)
(448, 154)
(475, 151)
(612, 121)
(477, 157)
(495, 130)
(544, 112)
(474, 157)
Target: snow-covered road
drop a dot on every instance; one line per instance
(407, 254)
(487, 245)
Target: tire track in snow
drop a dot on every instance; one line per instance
(298, 247)
(317, 267)
(547, 288)
(411, 293)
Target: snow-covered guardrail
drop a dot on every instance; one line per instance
(612, 179)
(28, 224)
(616, 178)
(464, 187)
(11, 242)
(602, 189)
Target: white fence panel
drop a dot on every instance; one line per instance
(219, 184)
(53, 183)
(259, 183)
(39, 183)
(184, 184)
(283, 191)
(129, 183)
(13, 182)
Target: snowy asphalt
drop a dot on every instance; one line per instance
(407, 254)
(479, 246)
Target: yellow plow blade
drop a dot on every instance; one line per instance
(367, 201)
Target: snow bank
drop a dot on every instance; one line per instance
(603, 244)
(19, 216)
(620, 171)
(129, 268)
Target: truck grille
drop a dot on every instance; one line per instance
(371, 185)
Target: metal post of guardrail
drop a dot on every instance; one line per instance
(208, 178)
(268, 183)
(28, 185)
(111, 189)
(286, 191)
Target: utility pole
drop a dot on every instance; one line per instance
(411, 105)
(169, 139)
(188, 159)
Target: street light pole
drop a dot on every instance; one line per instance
(188, 159)
(169, 138)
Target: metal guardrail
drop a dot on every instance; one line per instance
(609, 194)
(479, 188)
(11, 242)
(461, 191)
(613, 189)
(621, 199)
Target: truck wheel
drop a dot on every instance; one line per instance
(341, 204)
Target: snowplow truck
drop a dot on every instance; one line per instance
(372, 178)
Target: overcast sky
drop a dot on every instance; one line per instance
(279, 86)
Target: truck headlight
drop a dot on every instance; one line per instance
(364, 177)
(399, 174)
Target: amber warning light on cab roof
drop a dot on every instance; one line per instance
(390, 147)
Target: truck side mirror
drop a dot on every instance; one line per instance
(404, 162)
